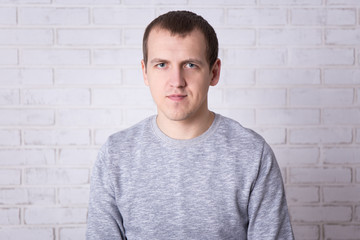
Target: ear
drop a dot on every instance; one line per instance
(143, 67)
(215, 72)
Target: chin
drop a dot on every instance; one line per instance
(178, 116)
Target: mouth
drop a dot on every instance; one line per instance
(177, 97)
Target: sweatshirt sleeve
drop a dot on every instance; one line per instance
(267, 209)
(104, 218)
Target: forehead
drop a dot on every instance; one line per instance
(161, 40)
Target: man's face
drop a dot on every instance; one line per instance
(178, 74)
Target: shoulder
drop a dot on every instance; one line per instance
(126, 140)
(234, 130)
(131, 132)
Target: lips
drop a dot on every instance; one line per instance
(177, 97)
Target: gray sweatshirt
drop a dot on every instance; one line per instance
(224, 184)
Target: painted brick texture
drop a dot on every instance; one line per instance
(70, 76)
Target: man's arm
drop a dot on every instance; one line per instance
(268, 212)
(104, 218)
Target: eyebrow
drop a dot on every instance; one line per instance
(193, 60)
(156, 60)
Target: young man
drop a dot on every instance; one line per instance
(186, 173)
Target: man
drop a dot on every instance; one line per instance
(186, 173)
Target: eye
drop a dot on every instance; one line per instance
(190, 65)
(161, 65)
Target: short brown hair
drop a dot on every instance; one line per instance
(183, 22)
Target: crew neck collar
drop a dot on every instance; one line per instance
(184, 142)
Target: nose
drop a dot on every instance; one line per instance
(177, 79)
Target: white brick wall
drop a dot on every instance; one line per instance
(70, 76)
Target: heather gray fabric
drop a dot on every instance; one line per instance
(224, 184)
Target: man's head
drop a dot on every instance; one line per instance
(182, 23)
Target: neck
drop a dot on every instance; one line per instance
(186, 129)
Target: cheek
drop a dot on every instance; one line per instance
(157, 91)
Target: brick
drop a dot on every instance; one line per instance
(295, 194)
(8, 15)
(27, 233)
(133, 116)
(320, 214)
(273, 135)
(345, 155)
(74, 196)
(287, 117)
(74, 215)
(357, 135)
(306, 232)
(26, 157)
(122, 16)
(25, 1)
(167, 2)
(55, 57)
(254, 97)
(215, 97)
(80, 37)
(320, 175)
(9, 216)
(8, 56)
(343, 2)
(86, 76)
(255, 57)
(33, 196)
(233, 76)
(261, 16)
(341, 116)
(25, 76)
(122, 57)
(320, 135)
(342, 36)
(288, 76)
(217, 2)
(64, 96)
(56, 176)
(57, 137)
(291, 2)
(323, 16)
(9, 137)
(89, 117)
(243, 116)
(13, 117)
(26, 37)
(290, 37)
(78, 156)
(122, 97)
(10, 176)
(321, 56)
(9, 97)
(321, 97)
(53, 16)
(338, 232)
(342, 76)
(87, 2)
(133, 36)
(132, 77)
(236, 36)
(357, 214)
(357, 174)
(74, 233)
(297, 155)
(341, 194)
